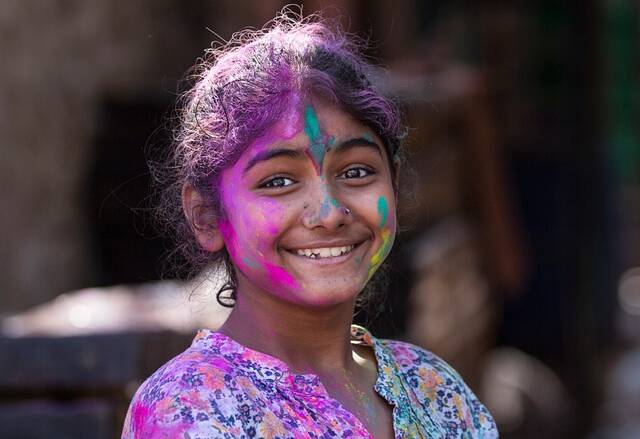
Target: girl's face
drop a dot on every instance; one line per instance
(310, 208)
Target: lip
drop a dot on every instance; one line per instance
(333, 259)
(325, 244)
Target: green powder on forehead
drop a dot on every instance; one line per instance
(311, 124)
(312, 130)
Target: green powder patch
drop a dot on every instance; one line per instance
(383, 210)
(312, 130)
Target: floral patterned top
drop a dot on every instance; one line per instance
(219, 388)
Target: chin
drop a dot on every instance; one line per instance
(327, 297)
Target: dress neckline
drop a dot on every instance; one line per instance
(276, 371)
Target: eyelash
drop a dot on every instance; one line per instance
(270, 183)
(368, 172)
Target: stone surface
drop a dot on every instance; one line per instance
(40, 419)
(83, 364)
(60, 59)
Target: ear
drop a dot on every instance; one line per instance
(201, 219)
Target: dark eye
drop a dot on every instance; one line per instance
(278, 182)
(357, 172)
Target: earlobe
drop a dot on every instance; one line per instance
(201, 219)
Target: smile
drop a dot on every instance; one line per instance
(325, 252)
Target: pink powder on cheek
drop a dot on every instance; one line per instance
(277, 275)
(263, 221)
(264, 228)
(272, 215)
(280, 276)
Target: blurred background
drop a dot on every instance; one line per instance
(520, 264)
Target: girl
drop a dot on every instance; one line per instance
(286, 169)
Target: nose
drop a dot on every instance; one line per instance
(325, 210)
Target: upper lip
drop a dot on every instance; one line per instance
(326, 244)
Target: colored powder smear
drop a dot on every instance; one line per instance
(383, 211)
(312, 130)
(387, 238)
(271, 211)
(325, 207)
(312, 126)
(280, 276)
(250, 263)
(327, 202)
(230, 239)
(383, 251)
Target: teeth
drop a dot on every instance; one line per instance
(325, 252)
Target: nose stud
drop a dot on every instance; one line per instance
(346, 211)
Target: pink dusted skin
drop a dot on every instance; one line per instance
(280, 276)
(261, 222)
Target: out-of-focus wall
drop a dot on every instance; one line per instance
(59, 60)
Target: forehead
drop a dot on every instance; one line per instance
(306, 122)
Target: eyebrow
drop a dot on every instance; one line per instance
(356, 142)
(297, 154)
(273, 153)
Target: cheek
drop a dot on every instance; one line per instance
(247, 258)
(252, 229)
(271, 217)
(256, 222)
(230, 239)
(261, 223)
(387, 230)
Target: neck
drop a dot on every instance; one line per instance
(309, 340)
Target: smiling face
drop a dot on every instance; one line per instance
(309, 208)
